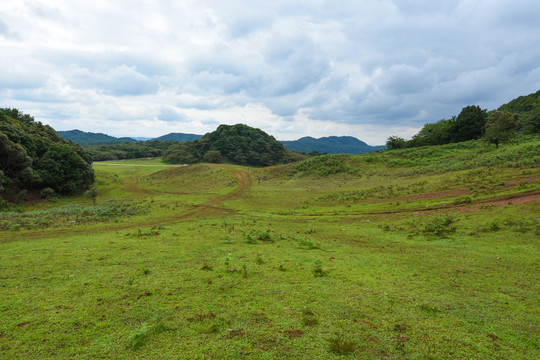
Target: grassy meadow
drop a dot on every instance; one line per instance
(421, 253)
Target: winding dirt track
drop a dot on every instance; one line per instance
(209, 207)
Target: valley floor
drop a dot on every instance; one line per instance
(229, 262)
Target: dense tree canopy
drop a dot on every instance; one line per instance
(238, 144)
(33, 157)
(469, 124)
(501, 125)
(519, 116)
(130, 150)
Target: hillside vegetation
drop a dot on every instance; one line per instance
(90, 138)
(238, 144)
(34, 157)
(331, 145)
(419, 253)
(520, 116)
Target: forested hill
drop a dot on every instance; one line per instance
(331, 145)
(179, 137)
(90, 138)
(528, 108)
(239, 144)
(33, 157)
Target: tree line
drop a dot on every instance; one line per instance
(33, 157)
(520, 116)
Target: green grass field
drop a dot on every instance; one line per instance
(426, 253)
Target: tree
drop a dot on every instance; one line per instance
(434, 134)
(92, 193)
(396, 142)
(14, 161)
(469, 124)
(212, 156)
(62, 169)
(500, 126)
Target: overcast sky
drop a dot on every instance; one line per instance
(364, 68)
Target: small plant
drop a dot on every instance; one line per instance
(430, 309)
(282, 267)
(139, 337)
(250, 238)
(228, 260)
(92, 193)
(441, 226)
(318, 270)
(341, 346)
(306, 244)
(207, 267)
(244, 270)
(145, 270)
(47, 193)
(309, 318)
(259, 260)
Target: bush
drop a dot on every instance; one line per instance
(440, 226)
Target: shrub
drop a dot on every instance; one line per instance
(341, 346)
(441, 226)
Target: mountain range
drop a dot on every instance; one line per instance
(329, 144)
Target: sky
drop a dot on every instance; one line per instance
(293, 68)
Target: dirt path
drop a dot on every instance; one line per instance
(210, 207)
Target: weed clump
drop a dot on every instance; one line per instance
(318, 270)
(309, 318)
(341, 346)
(305, 243)
(440, 226)
(141, 335)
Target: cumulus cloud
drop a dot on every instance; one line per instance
(364, 68)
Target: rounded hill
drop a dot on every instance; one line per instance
(238, 144)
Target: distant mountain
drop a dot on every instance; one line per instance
(90, 138)
(331, 145)
(179, 137)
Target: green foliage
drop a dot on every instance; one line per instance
(528, 108)
(500, 126)
(47, 193)
(396, 142)
(318, 270)
(326, 165)
(90, 138)
(69, 215)
(440, 226)
(33, 156)
(92, 193)
(469, 124)
(330, 145)
(239, 144)
(438, 133)
(212, 156)
(62, 169)
(340, 345)
(129, 150)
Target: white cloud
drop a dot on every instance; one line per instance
(294, 68)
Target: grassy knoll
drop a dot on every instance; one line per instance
(426, 253)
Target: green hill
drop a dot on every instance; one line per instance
(528, 108)
(34, 157)
(90, 138)
(331, 145)
(239, 144)
(179, 137)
